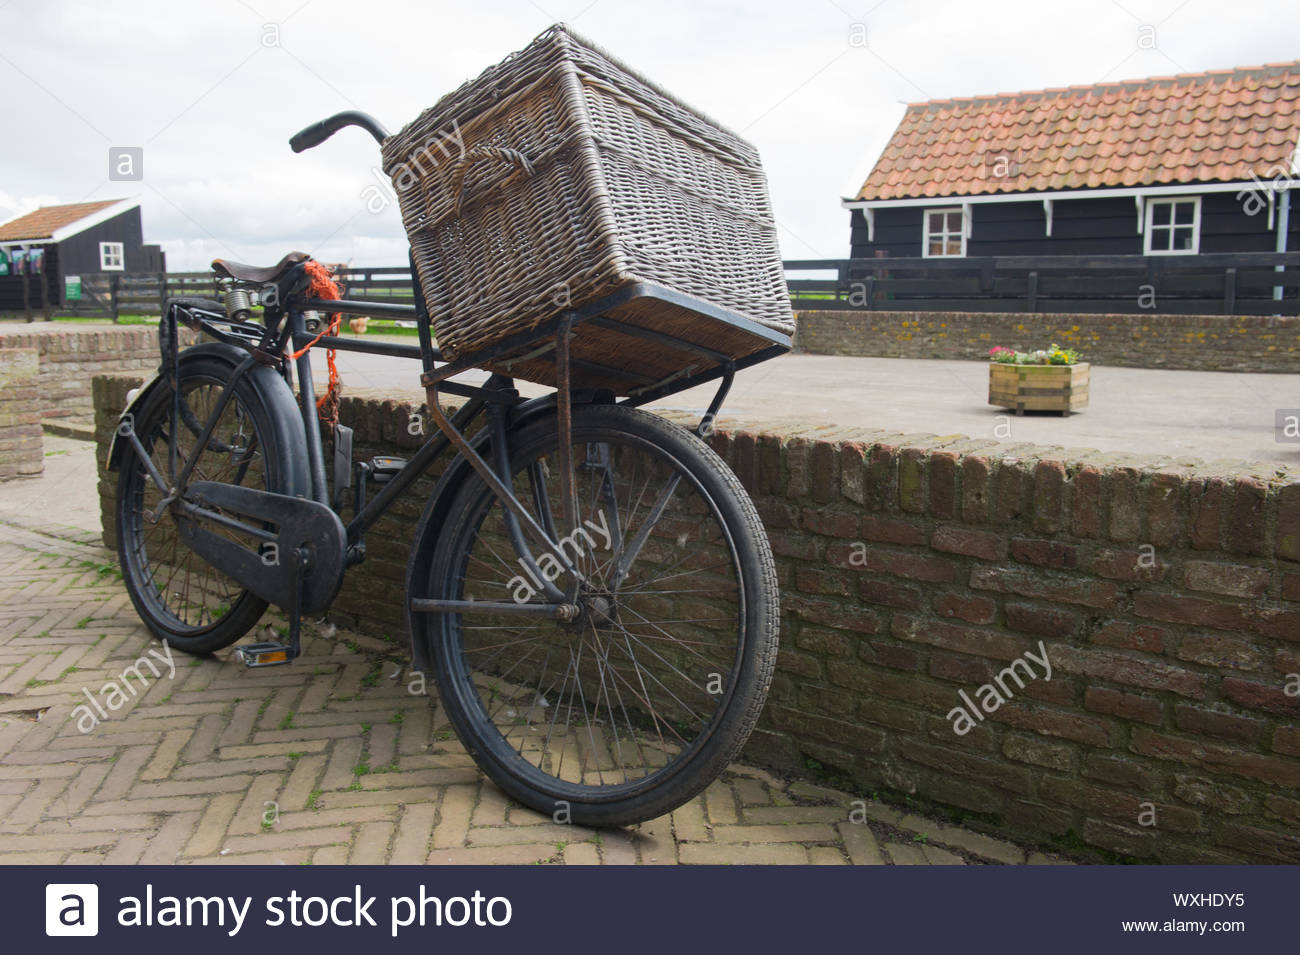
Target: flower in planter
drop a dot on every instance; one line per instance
(1053, 355)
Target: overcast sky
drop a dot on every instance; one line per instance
(213, 90)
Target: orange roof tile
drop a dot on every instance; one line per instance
(45, 221)
(1198, 127)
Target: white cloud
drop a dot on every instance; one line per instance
(214, 108)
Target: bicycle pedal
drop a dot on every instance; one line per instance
(383, 470)
(264, 654)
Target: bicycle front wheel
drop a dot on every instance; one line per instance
(635, 706)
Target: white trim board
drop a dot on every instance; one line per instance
(1127, 191)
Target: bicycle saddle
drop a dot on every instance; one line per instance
(258, 273)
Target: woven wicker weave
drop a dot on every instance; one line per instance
(558, 177)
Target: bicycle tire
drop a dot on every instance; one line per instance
(462, 670)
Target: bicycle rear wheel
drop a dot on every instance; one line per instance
(637, 705)
(182, 599)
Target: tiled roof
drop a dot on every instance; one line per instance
(45, 221)
(1216, 126)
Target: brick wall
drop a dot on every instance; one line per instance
(71, 356)
(913, 569)
(21, 439)
(1196, 342)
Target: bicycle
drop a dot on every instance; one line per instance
(590, 584)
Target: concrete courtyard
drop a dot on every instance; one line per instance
(1175, 414)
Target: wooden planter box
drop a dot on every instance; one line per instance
(1022, 388)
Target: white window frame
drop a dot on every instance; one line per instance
(926, 234)
(1172, 202)
(110, 252)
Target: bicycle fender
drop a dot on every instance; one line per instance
(272, 389)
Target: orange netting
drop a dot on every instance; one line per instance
(323, 286)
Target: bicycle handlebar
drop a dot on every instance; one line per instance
(317, 133)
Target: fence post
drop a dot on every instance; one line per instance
(46, 312)
(27, 297)
(162, 294)
(1031, 291)
(1229, 291)
(112, 298)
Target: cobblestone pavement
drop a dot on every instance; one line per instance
(329, 760)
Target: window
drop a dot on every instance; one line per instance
(111, 256)
(945, 233)
(1173, 226)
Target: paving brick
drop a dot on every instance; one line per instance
(696, 853)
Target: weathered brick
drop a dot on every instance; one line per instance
(975, 488)
(1288, 522)
(1259, 696)
(912, 480)
(987, 643)
(1248, 531)
(1267, 843)
(1231, 580)
(972, 609)
(926, 567)
(1212, 794)
(1045, 553)
(889, 593)
(825, 466)
(1199, 611)
(1137, 564)
(985, 545)
(829, 523)
(1216, 757)
(1038, 751)
(1041, 621)
(1017, 580)
(1125, 523)
(1127, 705)
(1195, 719)
(1086, 517)
(943, 484)
(1089, 730)
(1049, 496)
(892, 531)
(1207, 498)
(1128, 670)
(1221, 651)
(1123, 805)
(1130, 636)
(1166, 505)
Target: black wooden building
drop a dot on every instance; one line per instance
(45, 253)
(1169, 166)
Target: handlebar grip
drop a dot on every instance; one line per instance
(313, 135)
(317, 133)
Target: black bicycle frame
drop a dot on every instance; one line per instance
(285, 326)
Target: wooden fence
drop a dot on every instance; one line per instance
(1237, 283)
(113, 294)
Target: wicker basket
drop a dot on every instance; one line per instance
(560, 177)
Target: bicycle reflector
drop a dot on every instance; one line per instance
(263, 654)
